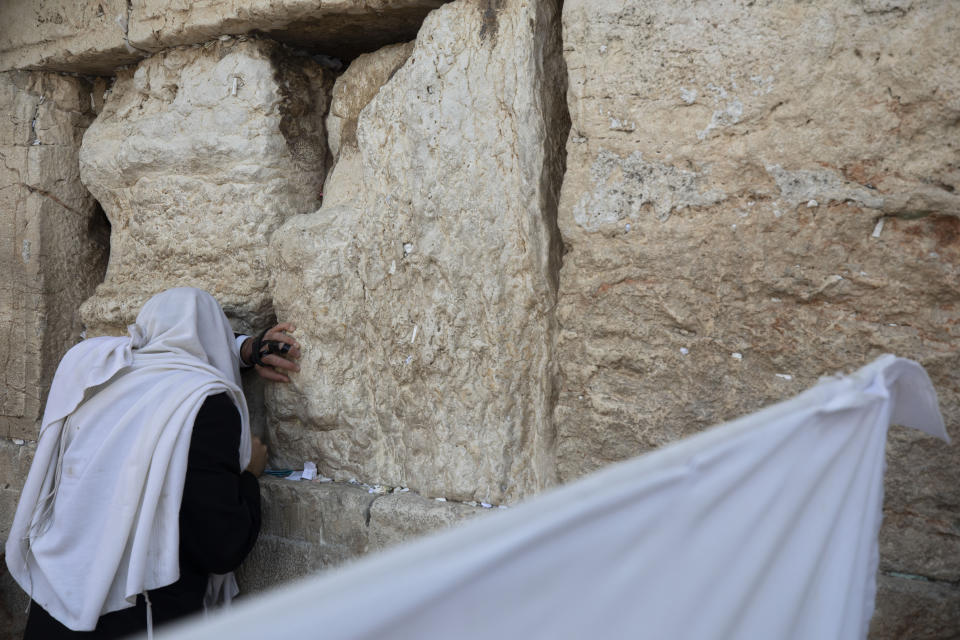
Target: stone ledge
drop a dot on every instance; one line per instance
(343, 28)
(63, 35)
(311, 526)
(97, 39)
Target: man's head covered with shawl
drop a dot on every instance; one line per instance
(97, 521)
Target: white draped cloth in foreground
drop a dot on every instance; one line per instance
(761, 528)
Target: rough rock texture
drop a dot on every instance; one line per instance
(426, 308)
(309, 526)
(728, 167)
(53, 237)
(98, 37)
(64, 35)
(351, 93)
(15, 458)
(914, 608)
(53, 248)
(344, 28)
(199, 154)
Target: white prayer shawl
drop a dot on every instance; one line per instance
(98, 518)
(764, 527)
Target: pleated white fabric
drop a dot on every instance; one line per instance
(98, 518)
(764, 527)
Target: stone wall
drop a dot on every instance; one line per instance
(53, 236)
(96, 38)
(310, 526)
(53, 248)
(549, 239)
(426, 303)
(199, 154)
(758, 195)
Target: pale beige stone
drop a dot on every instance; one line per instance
(399, 517)
(65, 35)
(728, 168)
(53, 237)
(426, 309)
(98, 37)
(198, 156)
(342, 28)
(351, 93)
(355, 89)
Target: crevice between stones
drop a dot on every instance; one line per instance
(47, 194)
(368, 511)
(555, 169)
(920, 578)
(124, 23)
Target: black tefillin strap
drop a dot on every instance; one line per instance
(263, 348)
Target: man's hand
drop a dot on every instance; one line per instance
(276, 362)
(258, 457)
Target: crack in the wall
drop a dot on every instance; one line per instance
(34, 136)
(54, 198)
(124, 23)
(557, 157)
(368, 512)
(920, 578)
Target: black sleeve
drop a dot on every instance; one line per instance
(220, 510)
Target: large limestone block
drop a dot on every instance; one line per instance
(344, 28)
(312, 526)
(400, 517)
(353, 91)
(199, 155)
(426, 307)
(99, 37)
(729, 166)
(65, 35)
(53, 237)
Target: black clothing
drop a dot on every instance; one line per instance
(219, 522)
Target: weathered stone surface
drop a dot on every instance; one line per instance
(65, 35)
(426, 309)
(351, 93)
(399, 517)
(97, 38)
(915, 609)
(343, 28)
(693, 159)
(921, 515)
(307, 526)
(199, 155)
(15, 459)
(729, 166)
(53, 237)
(310, 526)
